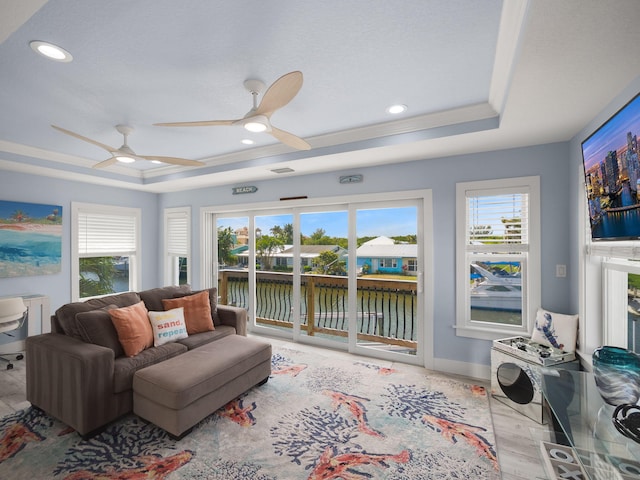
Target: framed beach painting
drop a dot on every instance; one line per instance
(30, 239)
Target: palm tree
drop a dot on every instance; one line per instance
(19, 216)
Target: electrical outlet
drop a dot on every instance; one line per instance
(561, 271)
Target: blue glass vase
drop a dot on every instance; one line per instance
(617, 375)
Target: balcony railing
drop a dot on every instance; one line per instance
(386, 309)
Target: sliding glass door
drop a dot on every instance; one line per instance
(388, 258)
(322, 256)
(348, 276)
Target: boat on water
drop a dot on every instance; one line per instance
(494, 291)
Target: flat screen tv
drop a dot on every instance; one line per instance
(612, 175)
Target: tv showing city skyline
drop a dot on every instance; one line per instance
(612, 175)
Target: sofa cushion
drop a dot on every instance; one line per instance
(213, 303)
(134, 330)
(96, 327)
(199, 339)
(66, 314)
(168, 326)
(125, 367)
(197, 311)
(153, 298)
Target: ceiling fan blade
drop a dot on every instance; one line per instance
(85, 139)
(289, 139)
(174, 160)
(106, 163)
(280, 93)
(204, 123)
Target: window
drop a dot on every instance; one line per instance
(177, 229)
(105, 250)
(412, 265)
(388, 263)
(497, 257)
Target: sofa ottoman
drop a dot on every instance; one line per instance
(177, 393)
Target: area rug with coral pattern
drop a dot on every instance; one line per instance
(320, 416)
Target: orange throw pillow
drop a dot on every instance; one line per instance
(133, 327)
(197, 311)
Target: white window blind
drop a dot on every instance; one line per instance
(498, 223)
(101, 234)
(629, 250)
(178, 234)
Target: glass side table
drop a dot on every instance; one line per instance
(583, 421)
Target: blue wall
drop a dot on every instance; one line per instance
(550, 162)
(36, 189)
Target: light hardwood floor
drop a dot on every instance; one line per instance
(517, 437)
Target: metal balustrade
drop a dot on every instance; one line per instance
(386, 308)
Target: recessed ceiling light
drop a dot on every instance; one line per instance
(248, 141)
(157, 162)
(396, 109)
(50, 51)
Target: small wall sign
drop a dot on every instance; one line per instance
(248, 189)
(351, 179)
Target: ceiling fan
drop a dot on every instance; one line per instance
(124, 154)
(258, 119)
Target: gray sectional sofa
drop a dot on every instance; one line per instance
(79, 374)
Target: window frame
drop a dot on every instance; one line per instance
(529, 253)
(135, 257)
(388, 262)
(171, 258)
(615, 273)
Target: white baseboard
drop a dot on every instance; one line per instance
(473, 370)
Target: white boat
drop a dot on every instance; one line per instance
(496, 292)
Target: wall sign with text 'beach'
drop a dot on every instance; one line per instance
(30, 239)
(240, 190)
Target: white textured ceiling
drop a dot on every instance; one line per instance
(476, 76)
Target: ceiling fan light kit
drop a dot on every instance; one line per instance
(257, 124)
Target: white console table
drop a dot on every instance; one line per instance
(38, 321)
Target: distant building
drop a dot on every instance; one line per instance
(384, 255)
(308, 254)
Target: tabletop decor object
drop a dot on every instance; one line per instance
(617, 375)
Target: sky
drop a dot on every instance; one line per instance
(370, 223)
(612, 134)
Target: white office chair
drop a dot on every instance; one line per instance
(13, 313)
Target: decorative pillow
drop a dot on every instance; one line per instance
(213, 303)
(134, 329)
(152, 298)
(96, 327)
(556, 330)
(168, 326)
(197, 311)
